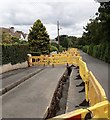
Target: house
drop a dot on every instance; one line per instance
(13, 33)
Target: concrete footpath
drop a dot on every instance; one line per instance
(74, 97)
(13, 78)
(32, 98)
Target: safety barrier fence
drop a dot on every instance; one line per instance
(98, 111)
(71, 56)
(94, 93)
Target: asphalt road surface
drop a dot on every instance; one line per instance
(100, 69)
(31, 98)
(16, 75)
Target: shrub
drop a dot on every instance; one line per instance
(90, 50)
(35, 53)
(101, 51)
(14, 53)
(85, 48)
(53, 48)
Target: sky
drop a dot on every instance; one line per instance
(71, 14)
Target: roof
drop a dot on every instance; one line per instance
(16, 34)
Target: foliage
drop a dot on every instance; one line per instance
(60, 47)
(6, 38)
(15, 40)
(98, 30)
(96, 37)
(54, 44)
(67, 41)
(53, 48)
(101, 51)
(14, 53)
(39, 38)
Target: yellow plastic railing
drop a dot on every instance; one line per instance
(96, 93)
(71, 57)
(98, 111)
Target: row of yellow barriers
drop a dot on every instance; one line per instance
(56, 59)
(99, 111)
(94, 93)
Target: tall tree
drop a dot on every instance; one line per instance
(38, 38)
(98, 30)
(63, 41)
(104, 17)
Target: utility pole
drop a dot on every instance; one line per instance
(58, 35)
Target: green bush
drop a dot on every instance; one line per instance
(90, 51)
(95, 51)
(106, 56)
(85, 48)
(14, 53)
(35, 53)
(101, 51)
(53, 48)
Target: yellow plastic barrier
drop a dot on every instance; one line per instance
(71, 57)
(83, 70)
(96, 92)
(76, 60)
(98, 111)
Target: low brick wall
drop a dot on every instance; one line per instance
(9, 67)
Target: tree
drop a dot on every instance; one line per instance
(63, 41)
(98, 30)
(38, 38)
(6, 38)
(104, 17)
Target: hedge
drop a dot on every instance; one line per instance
(101, 51)
(16, 53)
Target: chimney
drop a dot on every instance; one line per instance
(12, 29)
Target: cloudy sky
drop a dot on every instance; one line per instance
(72, 14)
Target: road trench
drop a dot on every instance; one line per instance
(59, 99)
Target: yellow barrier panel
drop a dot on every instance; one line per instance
(83, 70)
(71, 57)
(96, 92)
(76, 60)
(98, 111)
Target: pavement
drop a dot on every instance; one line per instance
(13, 78)
(32, 98)
(74, 97)
(100, 70)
